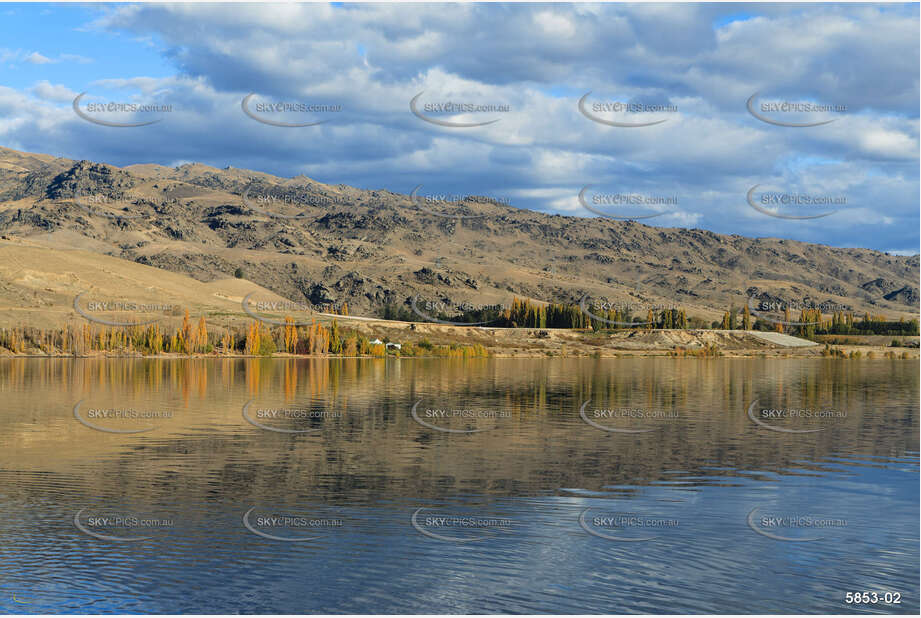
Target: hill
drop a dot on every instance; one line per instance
(332, 244)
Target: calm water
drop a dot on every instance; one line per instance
(326, 494)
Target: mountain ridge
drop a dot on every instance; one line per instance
(331, 244)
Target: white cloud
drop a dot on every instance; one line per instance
(75, 58)
(37, 58)
(539, 60)
(53, 92)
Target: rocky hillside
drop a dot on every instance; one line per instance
(328, 244)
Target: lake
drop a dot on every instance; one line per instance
(641, 485)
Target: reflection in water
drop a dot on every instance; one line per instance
(537, 497)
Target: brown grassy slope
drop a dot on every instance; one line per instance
(369, 248)
(38, 286)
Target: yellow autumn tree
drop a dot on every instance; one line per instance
(291, 337)
(201, 335)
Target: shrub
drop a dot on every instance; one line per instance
(266, 346)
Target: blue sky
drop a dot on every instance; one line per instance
(537, 61)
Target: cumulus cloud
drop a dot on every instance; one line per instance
(37, 58)
(75, 58)
(705, 60)
(53, 92)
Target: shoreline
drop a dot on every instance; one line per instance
(845, 352)
(390, 339)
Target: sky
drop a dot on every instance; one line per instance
(708, 141)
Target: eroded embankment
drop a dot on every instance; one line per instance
(543, 342)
